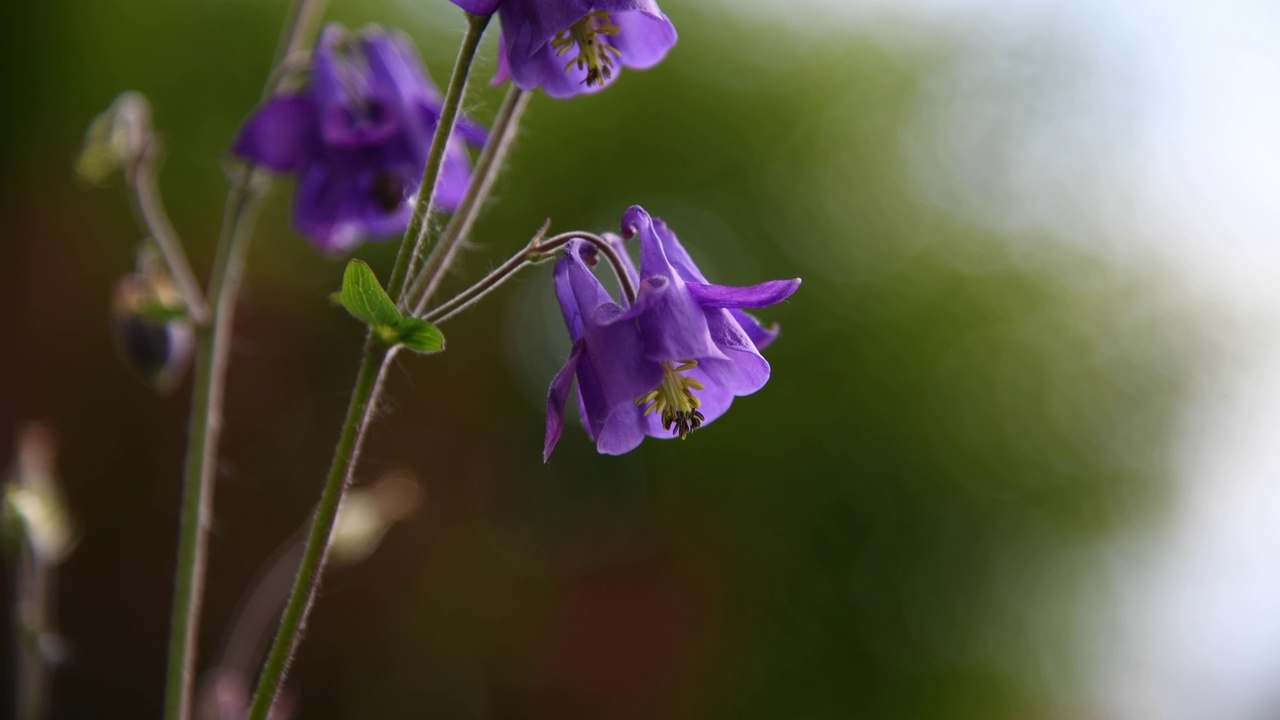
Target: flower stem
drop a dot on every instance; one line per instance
(537, 251)
(374, 363)
(489, 164)
(420, 222)
(146, 197)
(205, 423)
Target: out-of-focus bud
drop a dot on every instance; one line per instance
(116, 138)
(367, 513)
(33, 501)
(150, 325)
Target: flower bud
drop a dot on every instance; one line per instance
(150, 326)
(116, 138)
(33, 501)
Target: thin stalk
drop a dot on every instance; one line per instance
(33, 605)
(488, 165)
(374, 363)
(537, 251)
(419, 223)
(205, 423)
(150, 207)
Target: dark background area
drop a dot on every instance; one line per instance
(902, 524)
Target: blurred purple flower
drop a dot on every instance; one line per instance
(665, 365)
(357, 136)
(570, 47)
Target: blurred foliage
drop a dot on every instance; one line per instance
(899, 526)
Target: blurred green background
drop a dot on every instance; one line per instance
(904, 523)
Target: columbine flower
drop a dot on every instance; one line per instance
(665, 365)
(571, 47)
(358, 136)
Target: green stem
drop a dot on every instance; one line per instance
(373, 366)
(205, 423)
(364, 399)
(419, 223)
(492, 158)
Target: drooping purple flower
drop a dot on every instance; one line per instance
(357, 136)
(571, 47)
(665, 365)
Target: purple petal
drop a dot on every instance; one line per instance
(530, 25)
(644, 37)
(350, 113)
(674, 325)
(564, 294)
(556, 398)
(743, 370)
(623, 431)
(615, 349)
(760, 335)
(326, 208)
(754, 296)
(281, 135)
(478, 7)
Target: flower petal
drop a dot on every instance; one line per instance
(615, 349)
(281, 135)
(761, 336)
(644, 37)
(753, 296)
(673, 324)
(556, 398)
(478, 7)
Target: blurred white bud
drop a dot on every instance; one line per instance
(367, 513)
(32, 497)
(116, 138)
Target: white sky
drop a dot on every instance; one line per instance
(1192, 629)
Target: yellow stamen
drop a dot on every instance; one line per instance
(593, 53)
(674, 398)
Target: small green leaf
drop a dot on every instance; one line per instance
(363, 296)
(419, 335)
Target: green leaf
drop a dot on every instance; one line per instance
(419, 335)
(363, 296)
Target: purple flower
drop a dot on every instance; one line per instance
(666, 364)
(571, 47)
(358, 136)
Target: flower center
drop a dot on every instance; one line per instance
(674, 398)
(593, 51)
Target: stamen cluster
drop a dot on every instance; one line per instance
(594, 55)
(674, 399)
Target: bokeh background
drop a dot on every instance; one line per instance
(1017, 458)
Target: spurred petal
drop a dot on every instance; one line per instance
(281, 135)
(760, 335)
(556, 398)
(615, 349)
(350, 112)
(674, 326)
(754, 296)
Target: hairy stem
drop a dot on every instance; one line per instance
(489, 164)
(420, 222)
(374, 364)
(205, 424)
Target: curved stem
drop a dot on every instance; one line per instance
(374, 363)
(490, 162)
(205, 424)
(537, 251)
(419, 223)
(150, 206)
